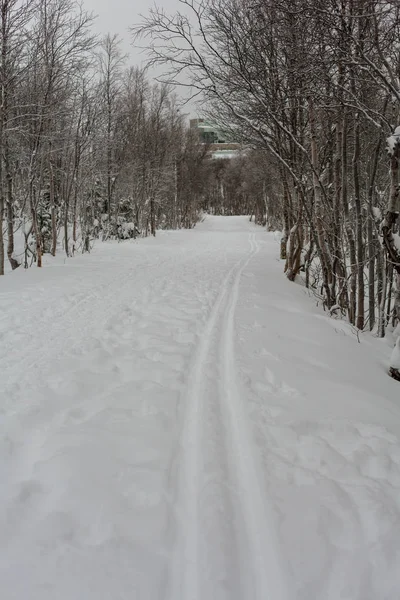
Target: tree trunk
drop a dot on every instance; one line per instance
(392, 253)
(371, 271)
(382, 286)
(53, 211)
(152, 218)
(339, 268)
(389, 292)
(35, 227)
(66, 241)
(295, 246)
(1, 234)
(286, 221)
(1, 171)
(74, 218)
(374, 247)
(10, 212)
(360, 245)
(349, 229)
(325, 263)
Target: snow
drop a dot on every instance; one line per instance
(392, 141)
(178, 421)
(396, 240)
(395, 357)
(27, 227)
(377, 213)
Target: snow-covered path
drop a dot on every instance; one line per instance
(179, 422)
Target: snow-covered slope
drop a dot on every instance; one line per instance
(179, 422)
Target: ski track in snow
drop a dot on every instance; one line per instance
(179, 422)
(265, 575)
(251, 523)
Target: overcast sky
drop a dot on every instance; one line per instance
(116, 16)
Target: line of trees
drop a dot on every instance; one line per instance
(89, 147)
(314, 85)
(242, 185)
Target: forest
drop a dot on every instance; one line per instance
(313, 85)
(92, 147)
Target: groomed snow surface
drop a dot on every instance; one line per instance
(179, 422)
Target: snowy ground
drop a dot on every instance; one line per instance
(179, 422)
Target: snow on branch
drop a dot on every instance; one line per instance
(393, 141)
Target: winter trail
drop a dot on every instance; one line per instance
(179, 422)
(255, 543)
(260, 550)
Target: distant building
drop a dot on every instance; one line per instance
(219, 145)
(208, 133)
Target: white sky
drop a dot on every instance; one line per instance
(116, 16)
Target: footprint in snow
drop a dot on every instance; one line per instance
(278, 385)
